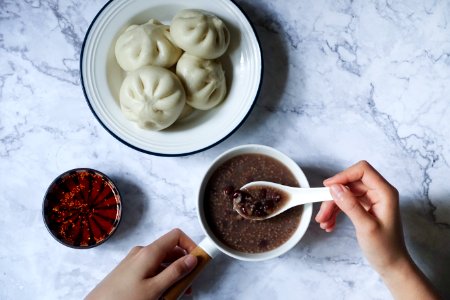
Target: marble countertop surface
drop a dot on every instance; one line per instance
(343, 81)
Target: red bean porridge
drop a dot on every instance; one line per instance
(251, 236)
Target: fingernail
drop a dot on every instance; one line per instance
(337, 191)
(328, 179)
(319, 214)
(190, 261)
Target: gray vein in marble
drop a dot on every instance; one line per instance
(66, 27)
(443, 56)
(337, 260)
(13, 141)
(392, 14)
(175, 189)
(69, 74)
(13, 72)
(346, 50)
(3, 78)
(272, 21)
(429, 155)
(346, 55)
(309, 110)
(34, 3)
(429, 10)
(6, 12)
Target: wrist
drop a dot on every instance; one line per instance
(398, 271)
(405, 281)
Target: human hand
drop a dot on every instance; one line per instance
(143, 274)
(372, 204)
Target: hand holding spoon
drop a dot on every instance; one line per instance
(260, 200)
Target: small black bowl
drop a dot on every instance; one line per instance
(82, 208)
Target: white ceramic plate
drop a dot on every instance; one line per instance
(101, 76)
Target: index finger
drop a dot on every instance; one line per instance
(361, 171)
(151, 256)
(175, 237)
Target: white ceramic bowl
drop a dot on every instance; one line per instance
(101, 77)
(211, 242)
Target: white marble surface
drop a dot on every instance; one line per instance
(343, 81)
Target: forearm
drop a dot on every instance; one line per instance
(406, 281)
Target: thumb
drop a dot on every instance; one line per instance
(351, 206)
(177, 270)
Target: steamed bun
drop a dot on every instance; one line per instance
(146, 44)
(186, 112)
(200, 33)
(153, 97)
(204, 81)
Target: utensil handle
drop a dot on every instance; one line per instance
(309, 195)
(204, 253)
